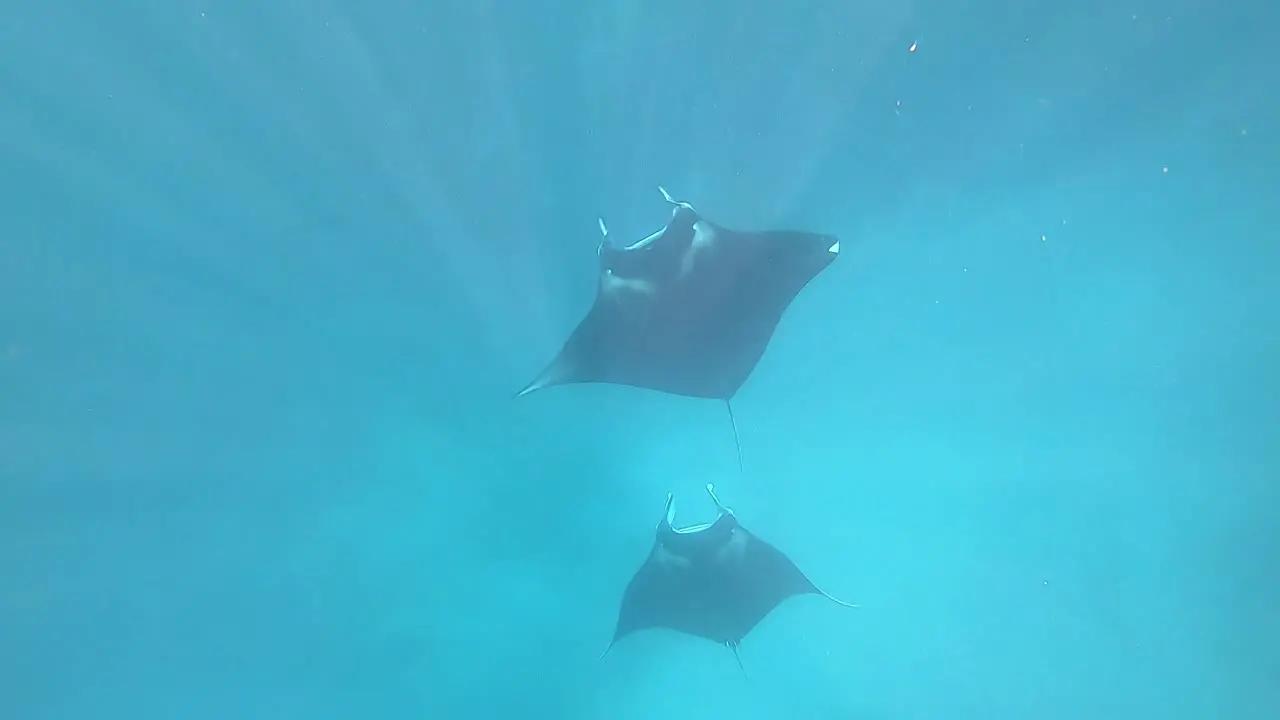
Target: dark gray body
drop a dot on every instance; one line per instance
(690, 309)
(716, 581)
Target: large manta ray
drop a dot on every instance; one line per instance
(688, 310)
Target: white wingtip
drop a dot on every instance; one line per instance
(834, 249)
(667, 195)
(604, 231)
(835, 599)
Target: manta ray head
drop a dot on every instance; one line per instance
(657, 255)
(699, 542)
(675, 237)
(683, 217)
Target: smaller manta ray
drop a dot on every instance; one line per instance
(715, 580)
(688, 310)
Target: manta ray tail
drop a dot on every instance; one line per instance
(736, 442)
(734, 647)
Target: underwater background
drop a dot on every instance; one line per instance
(270, 274)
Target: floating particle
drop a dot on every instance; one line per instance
(913, 47)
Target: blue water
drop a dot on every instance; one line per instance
(271, 272)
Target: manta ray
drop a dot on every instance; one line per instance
(714, 580)
(688, 310)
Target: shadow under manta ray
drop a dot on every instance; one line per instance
(715, 580)
(688, 310)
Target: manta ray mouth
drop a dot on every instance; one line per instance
(835, 248)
